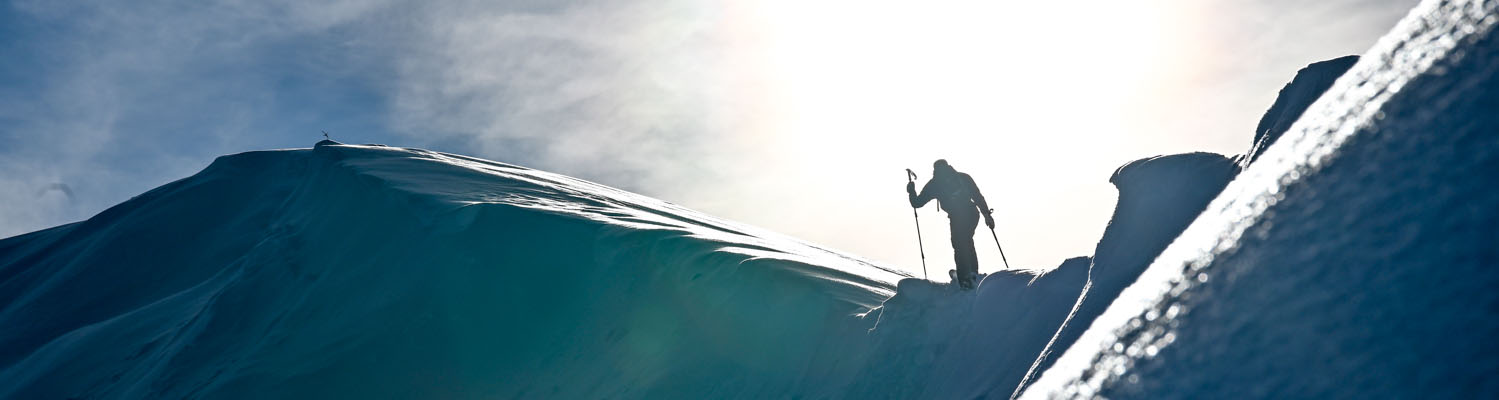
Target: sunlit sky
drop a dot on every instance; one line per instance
(796, 116)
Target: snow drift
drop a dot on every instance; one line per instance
(366, 271)
(1354, 259)
(1298, 94)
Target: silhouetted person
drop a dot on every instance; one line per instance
(959, 196)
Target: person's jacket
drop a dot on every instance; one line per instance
(955, 193)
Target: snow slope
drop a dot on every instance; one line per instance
(368, 271)
(372, 271)
(1158, 198)
(1356, 258)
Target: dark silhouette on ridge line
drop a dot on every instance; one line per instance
(956, 194)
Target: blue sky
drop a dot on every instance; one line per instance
(798, 116)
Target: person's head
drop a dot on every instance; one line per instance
(940, 167)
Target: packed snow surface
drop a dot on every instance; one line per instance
(1357, 258)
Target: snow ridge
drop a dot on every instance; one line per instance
(368, 271)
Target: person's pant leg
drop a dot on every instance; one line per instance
(964, 255)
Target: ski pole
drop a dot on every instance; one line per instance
(911, 177)
(1001, 248)
(996, 244)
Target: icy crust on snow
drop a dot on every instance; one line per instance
(1354, 259)
(369, 271)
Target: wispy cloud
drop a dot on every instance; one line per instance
(691, 101)
(113, 98)
(611, 91)
(125, 96)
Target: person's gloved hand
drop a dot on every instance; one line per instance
(911, 187)
(989, 219)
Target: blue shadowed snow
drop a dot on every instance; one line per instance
(367, 271)
(1357, 258)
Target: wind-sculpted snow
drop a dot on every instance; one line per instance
(371, 271)
(1158, 198)
(1355, 259)
(1298, 94)
(374, 272)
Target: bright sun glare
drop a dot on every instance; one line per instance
(1024, 96)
